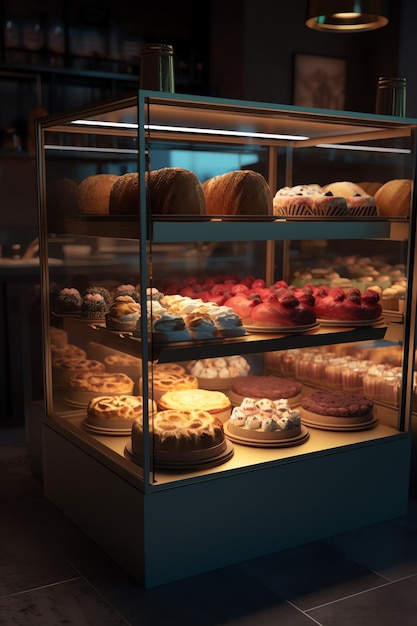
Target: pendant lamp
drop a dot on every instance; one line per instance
(347, 16)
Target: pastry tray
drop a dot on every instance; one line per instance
(186, 462)
(281, 329)
(302, 437)
(342, 427)
(350, 323)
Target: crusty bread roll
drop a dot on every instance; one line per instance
(94, 193)
(176, 191)
(344, 189)
(242, 192)
(394, 197)
(124, 196)
(172, 191)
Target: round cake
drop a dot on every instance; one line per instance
(67, 351)
(163, 380)
(241, 192)
(83, 386)
(93, 194)
(394, 197)
(65, 367)
(115, 412)
(181, 435)
(336, 410)
(215, 402)
(130, 365)
(267, 386)
(264, 420)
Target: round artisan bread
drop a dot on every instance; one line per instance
(344, 189)
(242, 192)
(394, 197)
(124, 196)
(176, 191)
(93, 194)
(172, 191)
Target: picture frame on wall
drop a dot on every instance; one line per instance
(319, 81)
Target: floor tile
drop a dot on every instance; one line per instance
(394, 604)
(73, 603)
(312, 574)
(389, 548)
(25, 561)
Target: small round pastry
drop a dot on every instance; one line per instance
(93, 194)
(68, 301)
(394, 198)
(68, 350)
(267, 386)
(93, 306)
(241, 192)
(83, 386)
(65, 367)
(103, 291)
(214, 402)
(123, 314)
(336, 410)
(116, 412)
(185, 435)
(127, 290)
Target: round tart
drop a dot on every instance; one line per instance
(115, 411)
(63, 368)
(84, 386)
(336, 410)
(267, 386)
(214, 402)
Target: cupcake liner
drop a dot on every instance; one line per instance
(294, 210)
(363, 211)
(328, 210)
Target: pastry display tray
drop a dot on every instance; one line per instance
(350, 323)
(302, 437)
(197, 462)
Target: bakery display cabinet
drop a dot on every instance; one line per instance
(250, 494)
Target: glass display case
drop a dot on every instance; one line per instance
(96, 471)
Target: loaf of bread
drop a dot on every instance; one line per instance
(394, 198)
(171, 191)
(242, 192)
(93, 194)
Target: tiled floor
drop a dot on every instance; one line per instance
(51, 573)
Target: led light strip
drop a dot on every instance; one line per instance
(197, 131)
(346, 146)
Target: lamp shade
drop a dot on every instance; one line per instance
(346, 15)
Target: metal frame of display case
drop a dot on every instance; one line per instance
(260, 501)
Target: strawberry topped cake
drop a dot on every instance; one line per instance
(336, 304)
